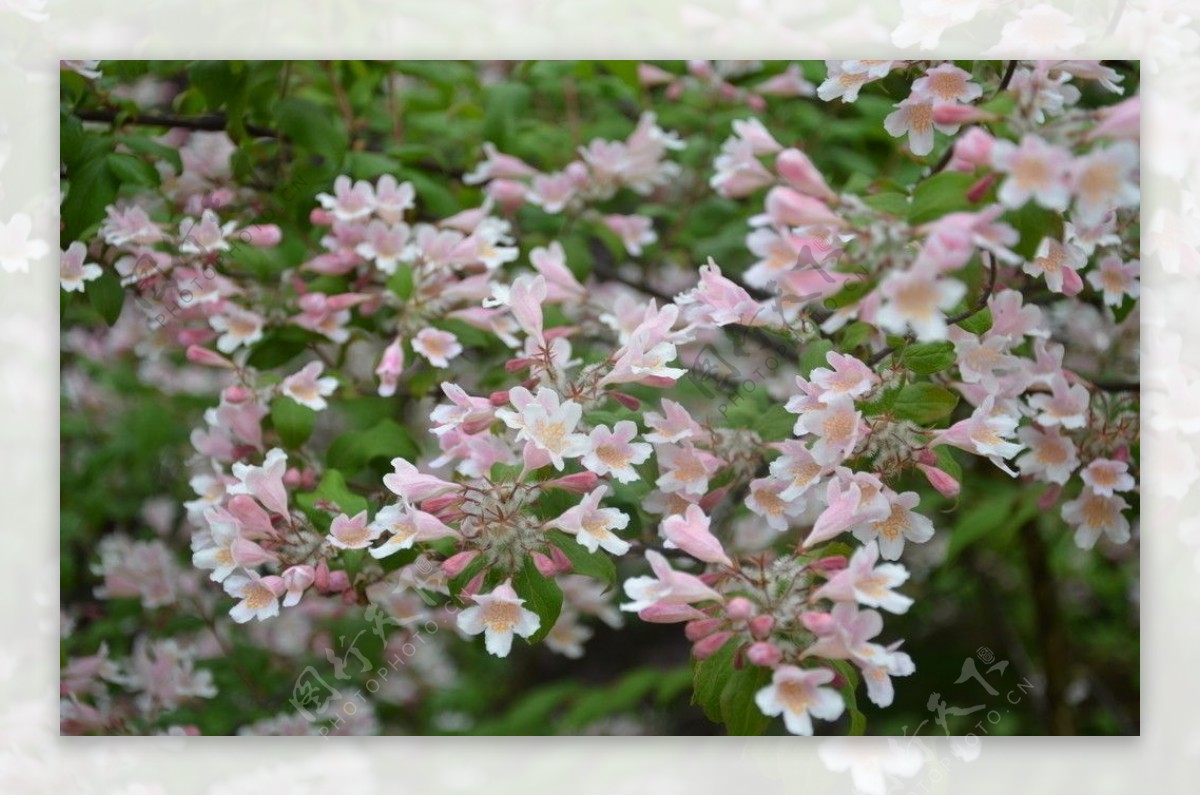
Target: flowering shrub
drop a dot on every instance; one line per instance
(537, 352)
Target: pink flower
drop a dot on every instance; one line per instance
(1092, 514)
(546, 424)
(238, 327)
(264, 483)
(685, 468)
(878, 671)
(228, 550)
(593, 526)
(352, 533)
(406, 525)
(391, 365)
(1065, 406)
(384, 244)
(349, 201)
(1036, 170)
(752, 131)
(900, 524)
(614, 453)
(800, 173)
(849, 377)
(1105, 179)
(295, 580)
(917, 299)
(413, 485)
(673, 425)
(1116, 279)
(73, 273)
(667, 587)
(947, 83)
(796, 469)
(1058, 263)
(843, 84)
(634, 232)
(1051, 456)
(561, 285)
(463, 410)
(259, 596)
(306, 389)
(798, 695)
(1106, 476)
(206, 236)
(849, 502)
(837, 426)
(765, 500)
(738, 171)
(497, 165)
(437, 346)
(867, 584)
(985, 433)
(914, 117)
(690, 533)
(393, 199)
(498, 616)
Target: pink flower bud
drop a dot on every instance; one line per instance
(1121, 454)
(739, 609)
(709, 501)
(456, 563)
(509, 195)
(339, 580)
(973, 149)
(786, 207)
(761, 626)
(946, 484)
(544, 565)
(951, 113)
(1049, 497)
(440, 503)
(473, 585)
(756, 103)
(203, 356)
(1072, 282)
(819, 623)
(674, 91)
(249, 554)
(221, 197)
(669, 613)
(237, 394)
(391, 365)
(577, 483)
(627, 401)
(190, 337)
(262, 235)
(299, 577)
(292, 477)
(701, 628)
(707, 647)
(321, 576)
(795, 167)
(701, 69)
(320, 217)
(651, 75)
(979, 190)
(762, 653)
(560, 560)
(499, 398)
(829, 564)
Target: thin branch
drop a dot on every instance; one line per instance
(212, 122)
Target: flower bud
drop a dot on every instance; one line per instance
(795, 167)
(499, 398)
(249, 554)
(508, 194)
(708, 646)
(204, 356)
(669, 613)
(951, 113)
(821, 624)
(456, 563)
(237, 394)
(979, 190)
(763, 653)
(701, 628)
(761, 626)
(262, 235)
(739, 609)
(577, 483)
(1049, 497)
(946, 484)
(544, 565)
(829, 564)
(627, 401)
(339, 580)
(292, 477)
(320, 217)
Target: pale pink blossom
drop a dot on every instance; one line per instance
(352, 533)
(673, 425)
(1065, 405)
(987, 432)
(1051, 457)
(918, 299)
(393, 199)
(1035, 170)
(258, 596)
(799, 695)
(667, 587)
(546, 423)
(73, 272)
(206, 236)
(263, 482)
(1093, 515)
(499, 615)
(405, 526)
(868, 583)
(411, 484)
(350, 200)
(836, 424)
(849, 376)
(685, 468)
(1105, 179)
(738, 171)
(842, 84)
(306, 388)
(1059, 264)
(1116, 279)
(690, 533)
(593, 526)
(383, 244)
(849, 503)
(914, 117)
(634, 231)
(391, 365)
(900, 525)
(797, 470)
(765, 500)
(497, 165)
(947, 83)
(614, 453)
(437, 346)
(1106, 476)
(238, 327)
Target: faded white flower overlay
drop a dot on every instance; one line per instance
(35, 33)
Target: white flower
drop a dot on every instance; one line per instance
(437, 346)
(1092, 514)
(1051, 457)
(613, 451)
(796, 693)
(259, 596)
(206, 236)
(16, 249)
(593, 526)
(546, 424)
(918, 299)
(498, 616)
(238, 327)
(914, 117)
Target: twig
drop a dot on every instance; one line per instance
(212, 122)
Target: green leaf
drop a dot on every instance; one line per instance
(709, 678)
(993, 514)
(813, 356)
(858, 721)
(924, 403)
(132, 169)
(385, 440)
(627, 71)
(333, 489)
(598, 565)
(154, 150)
(369, 165)
(541, 595)
(308, 125)
(939, 195)
(893, 204)
(107, 296)
(927, 358)
(293, 421)
(503, 106)
(774, 424)
(1034, 223)
(280, 346)
(92, 186)
(401, 282)
(738, 709)
(947, 463)
(853, 290)
(978, 323)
